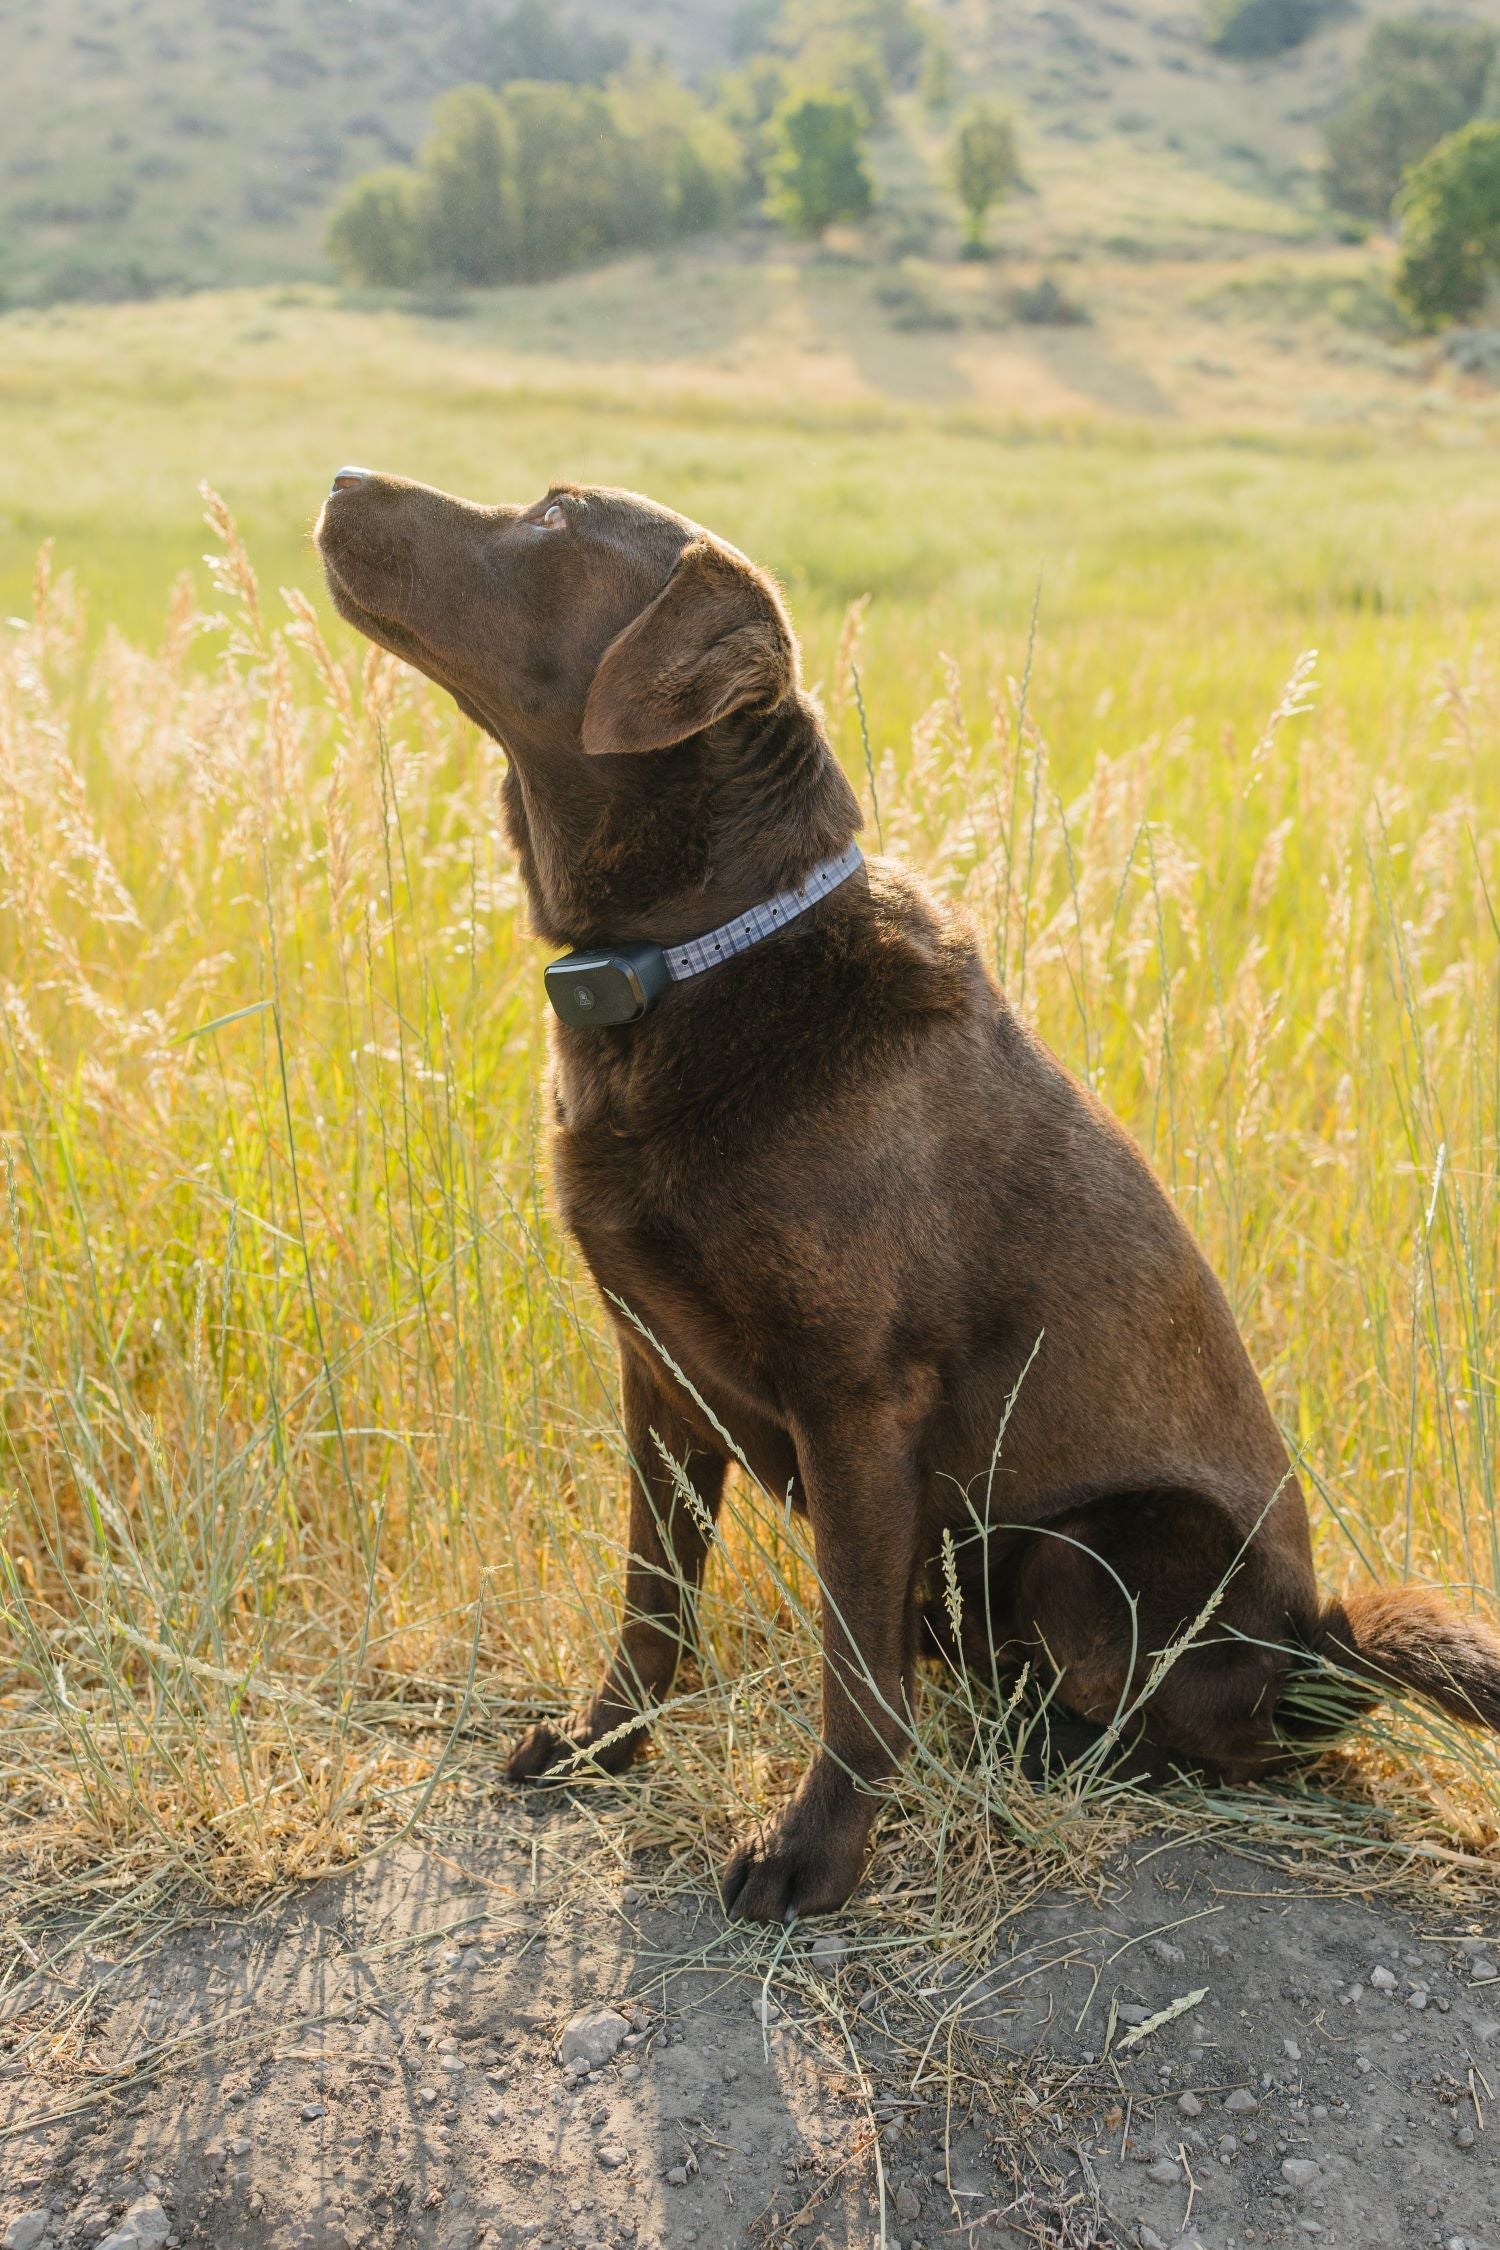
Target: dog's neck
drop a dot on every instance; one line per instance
(672, 842)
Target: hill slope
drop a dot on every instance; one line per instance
(154, 144)
(162, 143)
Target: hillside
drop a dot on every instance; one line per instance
(153, 144)
(169, 143)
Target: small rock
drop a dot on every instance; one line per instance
(1148, 2238)
(1291, 2050)
(1482, 1969)
(1164, 2172)
(427, 2095)
(593, 2036)
(765, 2010)
(1133, 2015)
(1190, 2105)
(1241, 2102)
(1172, 1955)
(828, 1948)
(311, 2110)
(677, 2176)
(1300, 2171)
(241, 2145)
(26, 2231)
(146, 2223)
(1382, 1980)
(613, 2157)
(908, 2203)
(454, 2063)
(1465, 2136)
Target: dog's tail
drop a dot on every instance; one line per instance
(1406, 1637)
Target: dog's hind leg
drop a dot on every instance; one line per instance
(1103, 1595)
(677, 1480)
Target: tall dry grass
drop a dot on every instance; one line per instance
(310, 1467)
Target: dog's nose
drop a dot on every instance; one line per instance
(349, 480)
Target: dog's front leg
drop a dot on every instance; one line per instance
(863, 1504)
(674, 1499)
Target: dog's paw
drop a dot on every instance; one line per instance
(795, 1867)
(544, 1754)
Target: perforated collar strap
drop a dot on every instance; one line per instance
(706, 952)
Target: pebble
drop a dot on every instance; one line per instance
(310, 2110)
(1382, 1980)
(1291, 2050)
(765, 2010)
(1148, 2238)
(593, 2036)
(241, 2145)
(427, 2095)
(908, 2203)
(828, 1948)
(1417, 1999)
(1482, 1968)
(1465, 2136)
(26, 2231)
(677, 2176)
(1133, 2015)
(613, 2157)
(1241, 2102)
(1164, 2172)
(1172, 1955)
(145, 2226)
(1190, 2105)
(1300, 2171)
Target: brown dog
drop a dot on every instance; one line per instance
(852, 1197)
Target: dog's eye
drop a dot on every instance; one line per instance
(553, 519)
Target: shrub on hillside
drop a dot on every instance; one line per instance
(1418, 81)
(817, 173)
(1449, 211)
(535, 41)
(539, 179)
(1249, 30)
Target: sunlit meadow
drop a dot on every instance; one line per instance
(311, 1481)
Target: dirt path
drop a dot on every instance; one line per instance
(377, 2062)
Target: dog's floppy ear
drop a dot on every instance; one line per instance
(715, 640)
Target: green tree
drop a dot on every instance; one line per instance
(1418, 81)
(1449, 213)
(817, 172)
(540, 178)
(985, 166)
(375, 234)
(468, 194)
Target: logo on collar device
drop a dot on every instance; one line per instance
(596, 986)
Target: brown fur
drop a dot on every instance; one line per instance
(848, 1191)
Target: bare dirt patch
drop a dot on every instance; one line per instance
(1208, 2051)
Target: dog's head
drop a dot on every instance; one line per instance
(592, 620)
(581, 632)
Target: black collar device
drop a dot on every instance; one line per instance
(594, 987)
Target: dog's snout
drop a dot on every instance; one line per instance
(350, 479)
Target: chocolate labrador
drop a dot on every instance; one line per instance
(803, 1138)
